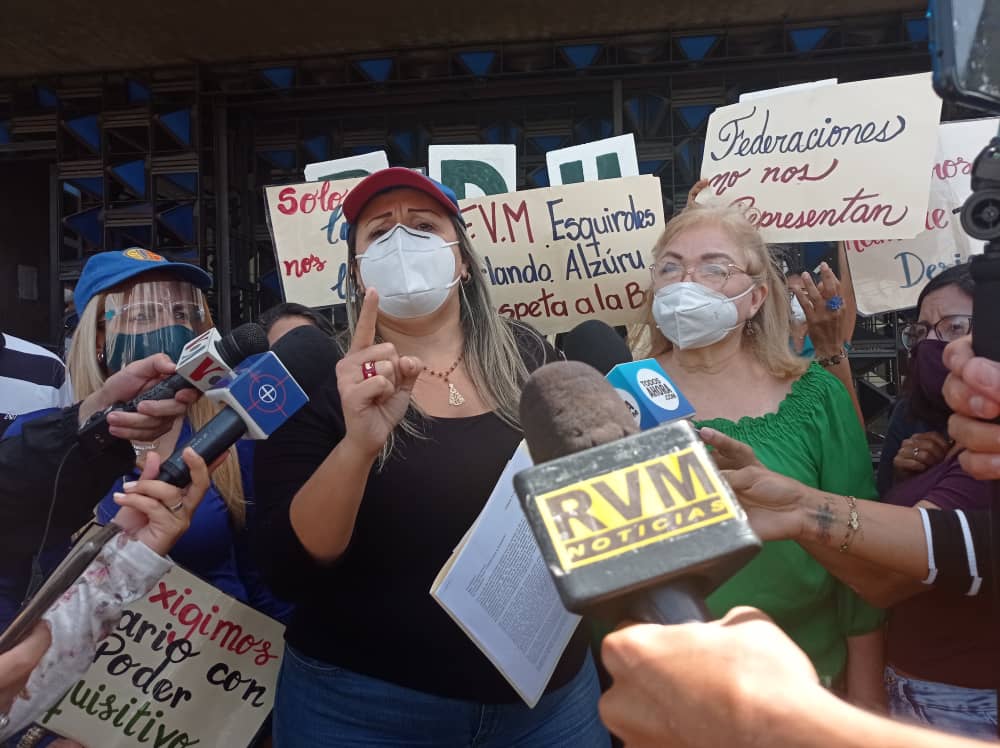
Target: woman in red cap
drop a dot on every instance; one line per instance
(365, 493)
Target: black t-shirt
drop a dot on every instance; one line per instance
(371, 611)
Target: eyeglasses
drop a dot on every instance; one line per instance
(709, 274)
(947, 329)
(158, 312)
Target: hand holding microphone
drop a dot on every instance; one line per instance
(152, 418)
(202, 364)
(375, 383)
(156, 513)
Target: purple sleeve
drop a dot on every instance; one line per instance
(956, 489)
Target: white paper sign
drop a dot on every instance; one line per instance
(889, 275)
(351, 167)
(755, 95)
(186, 665)
(474, 170)
(850, 161)
(600, 159)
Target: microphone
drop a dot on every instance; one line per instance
(631, 524)
(205, 360)
(596, 343)
(650, 396)
(260, 395)
(202, 363)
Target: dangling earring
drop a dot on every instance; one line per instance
(749, 329)
(101, 357)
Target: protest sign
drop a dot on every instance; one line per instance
(609, 158)
(186, 665)
(889, 275)
(351, 167)
(474, 170)
(767, 92)
(553, 257)
(310, 239)
(850, 161)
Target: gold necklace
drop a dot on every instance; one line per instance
(454, 396)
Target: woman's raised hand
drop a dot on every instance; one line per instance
(375, 383)
(822, 306)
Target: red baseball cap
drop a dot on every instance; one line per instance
(390, 179)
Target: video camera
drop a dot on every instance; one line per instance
(966, 65)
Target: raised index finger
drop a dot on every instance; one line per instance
(364, 329)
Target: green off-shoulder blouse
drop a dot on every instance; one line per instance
(815, 438)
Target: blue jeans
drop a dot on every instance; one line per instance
(963, 711)
(319, 705)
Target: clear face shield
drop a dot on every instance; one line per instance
(151, 317)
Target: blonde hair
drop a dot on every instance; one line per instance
(768, 330)
(490, 349)
(88, 376)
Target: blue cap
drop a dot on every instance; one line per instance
(108, 269)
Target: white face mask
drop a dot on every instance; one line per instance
(798, 313)
(413, 271)
(692, 316)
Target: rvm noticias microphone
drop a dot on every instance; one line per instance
(631, 525)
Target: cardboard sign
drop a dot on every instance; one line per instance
(474, 170)
(186, 665)
(827, 163)
(310, 239)
(553, 257)
(889, 275)
(610, 158)
(352, 167)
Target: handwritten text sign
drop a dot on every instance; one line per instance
(850, 161)
(187, 665)
(889, 275)
(553, 256)
(310, 239)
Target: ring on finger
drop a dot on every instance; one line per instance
(835, 302)
(916, 451)
(177, 507)
(368, 370)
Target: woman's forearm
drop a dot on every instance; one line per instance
(885, 559)
(324, 510)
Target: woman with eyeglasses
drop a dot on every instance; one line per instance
(917, 436)
(719, 326)
(940, 646)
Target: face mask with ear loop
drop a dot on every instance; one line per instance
(413, 271)
(692, 316)
(152, 317)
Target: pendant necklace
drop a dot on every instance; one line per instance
(454, 396)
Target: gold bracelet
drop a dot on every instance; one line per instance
(853, 523)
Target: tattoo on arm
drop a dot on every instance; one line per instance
(824, 521)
